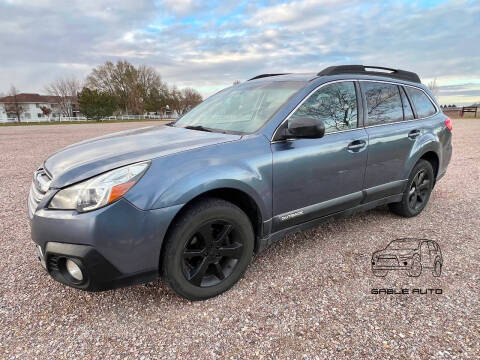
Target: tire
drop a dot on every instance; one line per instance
(380, 273)
(416, 268)
(437, 268)
(208, 249)
(417, 192)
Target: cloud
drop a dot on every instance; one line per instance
(210, 44)
(181, 7)
(465, 93)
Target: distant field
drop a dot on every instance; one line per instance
(456, 114)
(465, 116)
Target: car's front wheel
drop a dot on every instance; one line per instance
(380, 273)
(208, 249)
(416, 267)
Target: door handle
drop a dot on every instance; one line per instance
(414, 134)
(356, 146)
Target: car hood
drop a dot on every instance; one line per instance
(91, 157)
(393, 252)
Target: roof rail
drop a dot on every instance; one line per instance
(265, 75)
(365, 70)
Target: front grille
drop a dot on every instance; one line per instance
(387, 261)
(40, 184)
(53, 263)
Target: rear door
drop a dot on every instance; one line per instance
(316, 177)
(391, 136)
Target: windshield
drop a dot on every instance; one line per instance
(403, 245)
(242, 108)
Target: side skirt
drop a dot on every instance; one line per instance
(274, 237)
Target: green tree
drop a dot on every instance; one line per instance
(157, 99)
(96, 105)
(132, 86)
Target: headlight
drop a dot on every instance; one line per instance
(100, 190)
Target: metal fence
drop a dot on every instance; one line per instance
(82, 118)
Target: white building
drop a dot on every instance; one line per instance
(32, 108)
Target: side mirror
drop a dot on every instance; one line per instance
(305, 127)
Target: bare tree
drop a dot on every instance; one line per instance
(66, 89)
(133, 86)
(432, 85)
(175, 99)
(140, 88)
(189, 99)
(13, 107)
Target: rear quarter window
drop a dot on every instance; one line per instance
(421, 102)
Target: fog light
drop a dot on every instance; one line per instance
(74, 270)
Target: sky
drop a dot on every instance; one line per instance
(209, 44)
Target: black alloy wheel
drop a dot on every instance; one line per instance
(419, 190)
(212, 253)
(207, 249)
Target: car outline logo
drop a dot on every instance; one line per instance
(410, 254)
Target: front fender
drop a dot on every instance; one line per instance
(242, 179)
(244, 165)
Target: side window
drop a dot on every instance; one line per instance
(383, 103)
(407, 108)
(335, 104)
(422, 103)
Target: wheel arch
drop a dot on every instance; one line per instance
(433, 158)
(427, 152)
(237, 197)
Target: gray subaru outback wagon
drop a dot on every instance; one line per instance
(193, 201)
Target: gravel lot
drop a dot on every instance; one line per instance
(308, 296)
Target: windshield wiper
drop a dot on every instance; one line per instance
(197, 127)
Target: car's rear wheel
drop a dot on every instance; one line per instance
(417, 192)
(208, 249)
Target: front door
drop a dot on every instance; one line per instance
(316, 177)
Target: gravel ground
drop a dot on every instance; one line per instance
(308, 296)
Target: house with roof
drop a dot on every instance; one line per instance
(36, 107)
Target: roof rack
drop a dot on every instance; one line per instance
(265, 75)
(365, 70)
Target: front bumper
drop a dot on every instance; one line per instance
(115, 246)
(392, 264)
(98, 273)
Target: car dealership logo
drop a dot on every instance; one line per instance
(412, 256)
